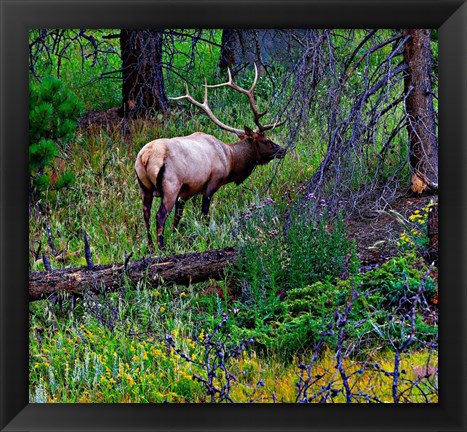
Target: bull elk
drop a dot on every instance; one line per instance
(177, 168)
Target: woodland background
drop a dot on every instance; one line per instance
(329, 290)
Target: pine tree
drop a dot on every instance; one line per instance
(53, 113)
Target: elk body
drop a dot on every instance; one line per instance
(175, 169)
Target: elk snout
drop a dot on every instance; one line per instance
(278, 151)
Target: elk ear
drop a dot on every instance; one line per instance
(248, 132)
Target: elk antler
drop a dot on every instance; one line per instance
(251, 99)
(205, 107)
(230, 83)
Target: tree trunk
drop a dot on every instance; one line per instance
(243, 47)
(230, 49)
(143, 90)
(181, 269)
(420, 112)
(433, 234)
(262, 46)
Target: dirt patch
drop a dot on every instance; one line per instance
(377, 237)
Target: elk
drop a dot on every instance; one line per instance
(175, 169)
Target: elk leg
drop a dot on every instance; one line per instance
(205, 205)
(147, 197)
(207, 195)
(164, 209)
(179, 205)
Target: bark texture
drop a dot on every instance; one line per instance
(420, 111)
(181, 269)
(433, 234)
(143, 90)
(261, 46)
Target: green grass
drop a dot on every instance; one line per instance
(111, 349)
(105, 200)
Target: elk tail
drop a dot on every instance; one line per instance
(150, 167)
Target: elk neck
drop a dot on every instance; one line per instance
(242, 162)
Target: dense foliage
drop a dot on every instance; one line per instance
(53, 115)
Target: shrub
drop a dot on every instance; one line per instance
(379, 304)
(400, 276)
(318, 250)
(53, 111)
(415, 233)
(309, 252)
(302, 265)
(263, 256)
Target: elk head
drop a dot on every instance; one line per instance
(266, 149)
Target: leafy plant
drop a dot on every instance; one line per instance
(53, 112)
(317, 250)
(398, 277)
(414, 235)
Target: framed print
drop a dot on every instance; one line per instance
(305, 285)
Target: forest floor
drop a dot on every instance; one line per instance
(377, 237)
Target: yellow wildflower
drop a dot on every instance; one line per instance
(130, 380)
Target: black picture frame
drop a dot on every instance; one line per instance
(450, 16)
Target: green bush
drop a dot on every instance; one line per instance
(317, 250)
(302, 264)
(379, 315)
(263, 256)
(53, 112)
(309, 252)
(400, 276)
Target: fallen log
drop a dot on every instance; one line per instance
(180, 269)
